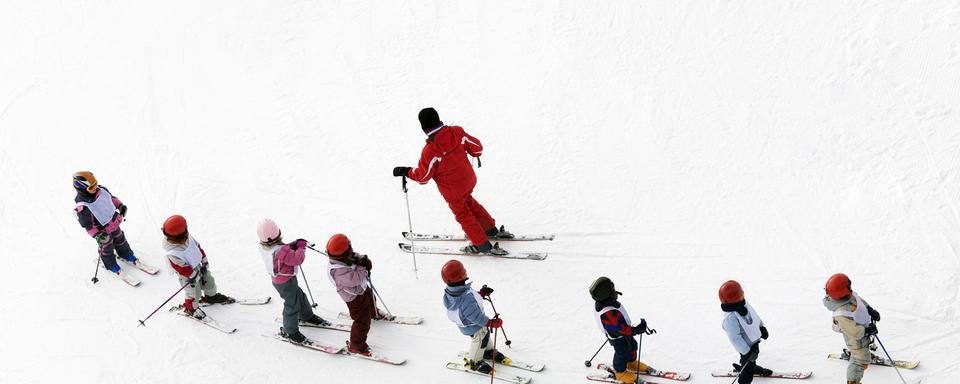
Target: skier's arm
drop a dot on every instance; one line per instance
(473, 312)
(472, 145)
(736, 335)
(85, 217)
(426, 168)
(349, 277)
(851, 329)
(182, 267)
(290, 256)
(615, 324)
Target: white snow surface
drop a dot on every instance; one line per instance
(671, 145)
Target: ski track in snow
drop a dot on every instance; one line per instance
(670, 145)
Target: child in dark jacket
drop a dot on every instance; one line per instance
(100, 214)
(614, 321)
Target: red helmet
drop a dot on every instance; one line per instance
(453, 272)
(731, 292)
(338, 245)
(838, 286)
(175, 226)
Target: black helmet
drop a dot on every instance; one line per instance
(602, 289)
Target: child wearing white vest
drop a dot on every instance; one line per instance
(855, 319)
(615, 323)
(190, 262)
(745, 330)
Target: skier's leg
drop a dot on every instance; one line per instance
(361, 314)
(290, 293)
(106, 255)
(469, 223)
(208, 284)
(483, 217)
(624, 351)
(122, 246)
(479, 344)
(747, 364)
(859, 361)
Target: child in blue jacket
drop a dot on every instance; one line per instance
(464, 309)
(745, 329)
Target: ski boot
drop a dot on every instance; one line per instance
(383, 316)
(298, 337)
(358, 351)
(316, 320)
(479, 366)
(219, 298)
(130, 259)
(115, 268)
(485, 248)
(637, 366)
(499, 358)
(500, 233)
(757, 370)
(627, 377)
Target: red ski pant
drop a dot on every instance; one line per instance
(362, 310)
(473, 218)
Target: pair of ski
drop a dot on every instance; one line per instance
(516, 379)
(213, 323)
(608, 376)
(345, 327)
(130, 280)
(904, 364)
(410, 248)
(310, 344)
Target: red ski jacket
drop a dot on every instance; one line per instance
(444, 159)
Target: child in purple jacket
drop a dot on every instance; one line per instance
(350, 274)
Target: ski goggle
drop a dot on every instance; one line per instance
(82, 185)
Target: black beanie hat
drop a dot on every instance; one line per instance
(429, 120)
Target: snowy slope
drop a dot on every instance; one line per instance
(671, 145)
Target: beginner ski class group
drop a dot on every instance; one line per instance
(445, 160)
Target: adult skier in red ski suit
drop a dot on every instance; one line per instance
(444, 159)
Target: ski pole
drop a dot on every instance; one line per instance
(590, 362)
(380, 299)
(493, 361)
(891, 359)
(497, 315)
(143, 322)
(95, 271)
(406, 196)
(639, 348)
(744, 366)
(307, 283)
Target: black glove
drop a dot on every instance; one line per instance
(122, 210)
(485, 291)
(874, 315)
(193, 276)
(102, 238)
(643, 328)
(400, 171)
(870, 330)
(763, 333)
(365, 262)
(203, 268)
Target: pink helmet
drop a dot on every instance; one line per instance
(267, 230)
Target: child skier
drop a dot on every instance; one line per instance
(350, 274)
(190, 261)
(745, 329)
(100, 214)
(855, 319)
(444, 159)
(464, 309)
(282, 262)
(615, 323)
